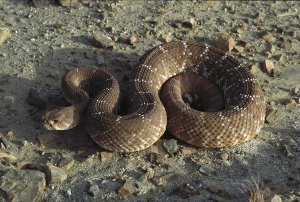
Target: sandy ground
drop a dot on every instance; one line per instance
(48, 40)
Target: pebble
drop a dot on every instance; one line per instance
(106, 156)
(94, 190)
(295, 90)
(66, 163)
(5, 142)
(286, 45)
(276, 198)
(100, 59)
(35, 100)
(171, 146)
(22, 185)
(54, 174)
(269, 38)
(224, 156)
(6, 155)
(282, 58)
(159, 181)
(268, 67)
(207, 170)
(271, 48)
(69, 192)
(186, 191)
(288, 151)
(191, 23)
(103, 40)
(68, 3)
(255, 68)
(226, 43)
(167, 37)
(5, 34)
(126, 189)
(132, 40)
(238, 49)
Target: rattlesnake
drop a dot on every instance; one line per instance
(237, 116)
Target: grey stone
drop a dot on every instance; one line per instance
(54, 174)
(171, 146)
(103, 40)
(5, 34)
(23, 185)
(94, 190)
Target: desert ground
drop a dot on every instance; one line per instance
(40, 40)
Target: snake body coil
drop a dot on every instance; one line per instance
(236, 116)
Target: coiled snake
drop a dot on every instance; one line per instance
(233, 105)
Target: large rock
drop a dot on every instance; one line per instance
(22, 185)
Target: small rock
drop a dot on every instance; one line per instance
(22, 185)
(66, 163)
(268, 67)
(269, 38)
(6, 155)
(191, 23)
(132, 40)
(106, 156)
(187, 151)
(295, 90)
(103, 40)
(126, 189)
(99, 59)
(286, 45)
(167, 37)
(255, 68)
(239, 30)
(186, 191)
(238, 49)
(49, 140)
(273, 116)
(68, 3)
(10, 135)
(5, 142)
(5, 34)
(288, 151)
(35, 100)
(69, 192)
(224, 156)
(276, 198)
(225, 43)
(271, 48)
(158, 181)
(54, 174)
(171, 146)
(207, 170)
(281, 58)
(94, 190)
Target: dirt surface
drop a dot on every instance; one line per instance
(43, 39)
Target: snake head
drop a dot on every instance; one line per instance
(61, 119)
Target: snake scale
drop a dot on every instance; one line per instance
(234, 111)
